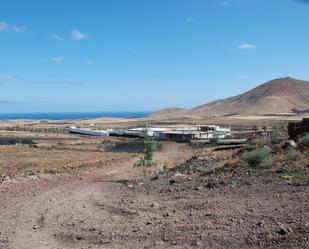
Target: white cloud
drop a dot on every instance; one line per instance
(56, 37)
(242, 77)
(6, 76)
(90, 62)
(59, 82)
(3, 26)
(78, 35)
(58, 59)
(12, 28)
(247, 46)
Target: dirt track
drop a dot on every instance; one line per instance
(100, 210)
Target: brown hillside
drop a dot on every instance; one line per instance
(277, 96)
(285, 95)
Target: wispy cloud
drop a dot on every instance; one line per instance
(7, 76)
(189, 19)
(56, 37)
(225, 3)
(247, 46)
(78, 35)
(18, 29)
(303, 1)
(19, 102)
(59, 82)
(58, 59)
(4, 26)
(90, 62)
(243, 77)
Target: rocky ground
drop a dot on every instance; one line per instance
(195, 205)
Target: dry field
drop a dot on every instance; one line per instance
(51, 153)
(65, 153)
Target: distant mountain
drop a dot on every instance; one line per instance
(169, 111)
(285, 95)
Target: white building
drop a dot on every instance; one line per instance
(213, 131)
(87, 131)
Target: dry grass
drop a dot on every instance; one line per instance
(15, 158)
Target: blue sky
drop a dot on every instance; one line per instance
(140, 55)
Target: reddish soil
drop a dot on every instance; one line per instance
(231, 208)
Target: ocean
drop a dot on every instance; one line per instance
(71, 115)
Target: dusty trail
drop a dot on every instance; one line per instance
(31, 210)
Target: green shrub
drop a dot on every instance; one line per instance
(207, 169)
(304, 140)
(163, 170)
(28, 171)
(296, 176)
(258, 157)
(51, 171)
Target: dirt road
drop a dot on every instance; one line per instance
(38, 213)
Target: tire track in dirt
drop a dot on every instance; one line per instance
(32, 211)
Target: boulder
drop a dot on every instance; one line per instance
(289, 144)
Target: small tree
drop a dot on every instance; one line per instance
(147, 160)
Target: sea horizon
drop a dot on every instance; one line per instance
(72, 115)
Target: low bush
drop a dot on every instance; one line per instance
(296, 176)
(304, 140)
(207, 168)
(258, 157)
(27, 171)
(163, 170)
(51, 171)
